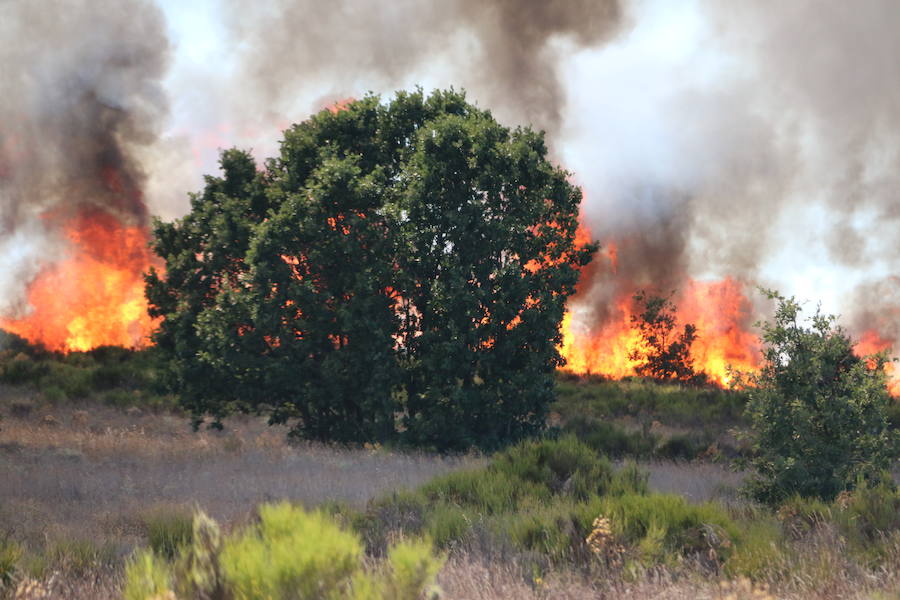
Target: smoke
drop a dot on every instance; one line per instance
(758, 141)
(82, 103)
(505, 51)
(767, 134)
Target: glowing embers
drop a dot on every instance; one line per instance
(93, 295)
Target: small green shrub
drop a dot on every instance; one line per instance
(10, 554)
(167, 530)
(76, 381)
(563, 466)
(682, 447)
(80, 556)
(54, 394)
(760, 552)
(289, 554)
(664, 527)
(610, 439)
(818, 411)
(146, 577)
(21, 368)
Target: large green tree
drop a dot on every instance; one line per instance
(399, 270)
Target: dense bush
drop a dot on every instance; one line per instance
(543, 500)
(818, 412)
(116, 376)
(400, 270)
(167, 530)
(289, 554)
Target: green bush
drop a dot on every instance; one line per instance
(289, 554)
(610, 439)
(10, 553)
(80, 556)
(818, 412)
(146, 577)
(670, 403)
(664, 527)
(167, 531)
(21, 368)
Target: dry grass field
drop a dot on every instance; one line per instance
(81, 484)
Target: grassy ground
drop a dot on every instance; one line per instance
(95, 462)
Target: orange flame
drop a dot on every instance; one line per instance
(718, 309)
(870, 342)
(94, 296)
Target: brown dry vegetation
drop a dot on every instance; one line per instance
(79, 483)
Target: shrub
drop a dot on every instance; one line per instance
(10, 553)
(664, 527)
(147, 577)
(556, 466)
(610, 439)
(21, 368)
(289, 554)
(818, 412)
(79, 556)
(167, 531)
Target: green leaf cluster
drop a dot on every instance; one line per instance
(819, 412)
(289, 554)
(399, 271)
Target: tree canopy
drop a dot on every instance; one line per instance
(399, 271)
(818, 411)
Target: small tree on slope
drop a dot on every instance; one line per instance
(818, 411)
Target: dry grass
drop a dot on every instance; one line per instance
(93, 473)
(822, 573)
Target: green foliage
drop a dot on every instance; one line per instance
(541, 499)
(289, 554)
(80, 556)
(10, 554)
(818, 412)
(665, 353)
(669, 403)
(610, 439)
(400, 267)
(116, 376)
(146, 577)
(167, 531)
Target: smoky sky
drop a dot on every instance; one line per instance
(82, 99)
(764, 146)
(505, 48)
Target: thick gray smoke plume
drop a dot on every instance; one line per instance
(82, 101)
(754, 140)
(765, 147)
(505, 50)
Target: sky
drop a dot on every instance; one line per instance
(758, 141)
(656, 121)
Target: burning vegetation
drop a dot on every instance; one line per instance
(94, 295)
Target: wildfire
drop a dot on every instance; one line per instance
(870, 342)
(94, 296)
(719, 310)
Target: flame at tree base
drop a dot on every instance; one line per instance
(718, 309)
(94, 296)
